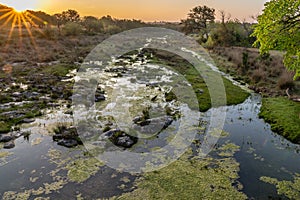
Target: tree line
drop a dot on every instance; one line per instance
(278, 27)
(72, 23)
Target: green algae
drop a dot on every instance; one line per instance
(192, 178)
(79, 168)
(4, 154)
(228, 149)
(82, 169)
(5, 157)
(290, 189)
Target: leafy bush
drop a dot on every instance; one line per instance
(72, 29)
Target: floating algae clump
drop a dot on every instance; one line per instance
(194, 178)
(82, 168)
(291, 189)
(4, 154)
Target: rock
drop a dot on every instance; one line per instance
(6, 138)
(27, 120)
(16, 94)
(67, 137)
(154, 125)
(17, 134)
(9, 145)
(99, 97)
(68, 143)
(57, 137)
(120, 138)
(201, 91)
(125, 141)
(69, 112)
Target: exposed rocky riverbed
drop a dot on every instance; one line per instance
(122, 110)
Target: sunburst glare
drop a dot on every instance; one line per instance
(14, 19)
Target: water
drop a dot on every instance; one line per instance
(262, 152)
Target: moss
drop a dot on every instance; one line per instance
(283, 116)
(290, 189)
(193, 178)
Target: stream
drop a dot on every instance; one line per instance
(38, 167)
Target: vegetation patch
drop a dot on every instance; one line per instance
(192, 178)
(81, 169)
(290, 189)
(234, 94)
(283, 116)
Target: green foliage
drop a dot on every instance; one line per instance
(279, 28)
(232, 33)
(283, 115)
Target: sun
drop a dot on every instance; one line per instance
(21, 5)
(19, 15)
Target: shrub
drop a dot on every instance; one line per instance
(286, 80)
(50, 33)
(258, 75)
(72, 29)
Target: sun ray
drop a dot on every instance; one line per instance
(11, 30)
(29, 31)
(11, 12)
(9, 18)
(20, 30)
(19, 20)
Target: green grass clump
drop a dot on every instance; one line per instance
(58, 70)
(234, 94)
(4, 127)
(283, 116)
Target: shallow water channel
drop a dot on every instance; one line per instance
(38, 167)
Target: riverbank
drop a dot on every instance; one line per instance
(234, 94)
(266, 75)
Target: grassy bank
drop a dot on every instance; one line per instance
(283, 115)
(266, 75)
(234, 94)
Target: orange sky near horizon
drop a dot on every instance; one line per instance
(155, 10)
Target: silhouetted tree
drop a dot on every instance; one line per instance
(60, 20)
(198, 20)
(71, 16)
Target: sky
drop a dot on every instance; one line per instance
(154, 10)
